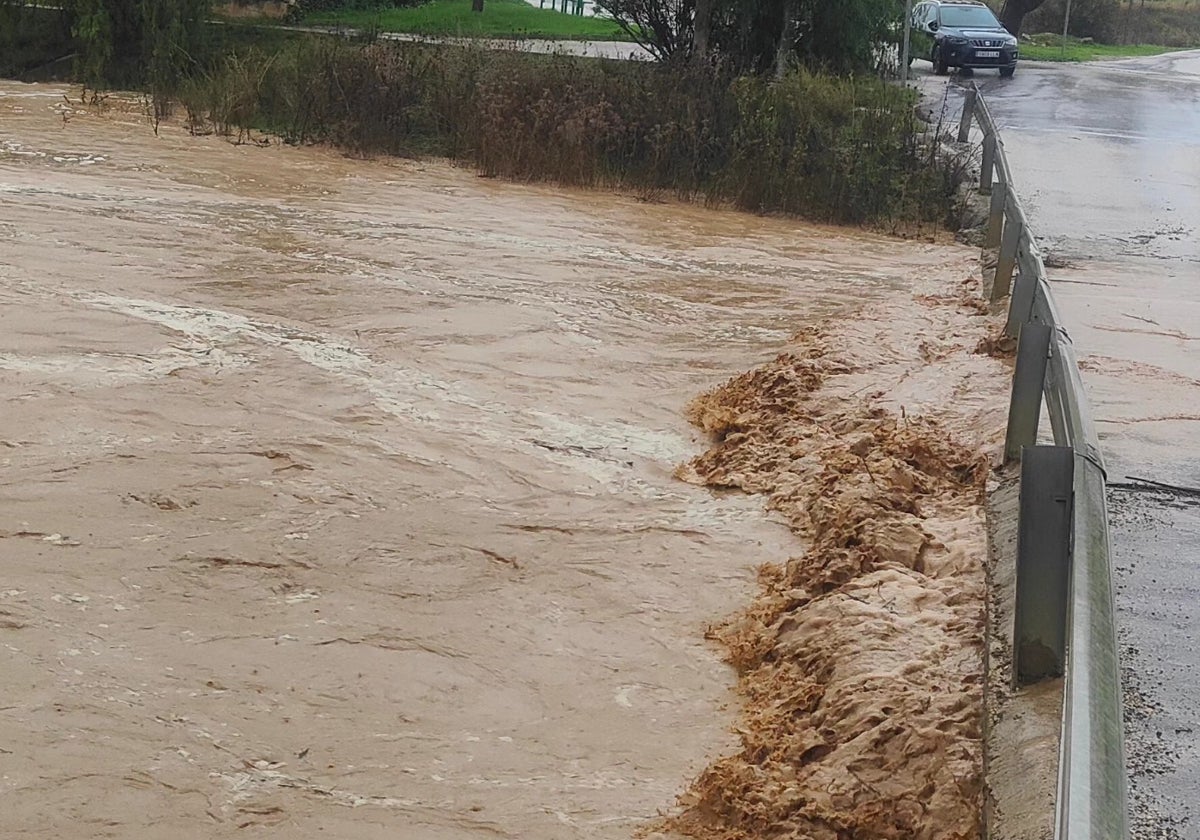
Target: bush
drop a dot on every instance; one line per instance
(846, 36)
(829, 149)
(1113, 22)
(1169, 25)
(32, 36)
(1089, 18)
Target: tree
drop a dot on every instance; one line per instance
(31, 36)
(173, 33)
(787, 38)
(702, 28)
(1012, 15)
(1089, 18)
(762, 36)
(846, 37)
(134, 42)
(664, 28)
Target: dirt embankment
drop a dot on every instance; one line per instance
(860, 661)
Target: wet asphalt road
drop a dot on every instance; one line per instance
(1107, 160)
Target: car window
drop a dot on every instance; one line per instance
(919, 14)
(966, 16)
(931, 15)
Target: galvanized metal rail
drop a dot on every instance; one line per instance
(1071, 630)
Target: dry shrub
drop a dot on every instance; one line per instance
(822, 147)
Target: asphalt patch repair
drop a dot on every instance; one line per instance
(860, 662)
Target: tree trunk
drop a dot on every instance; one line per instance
(1014, 11)
(783, 52)
(701, 27)
(476, 5)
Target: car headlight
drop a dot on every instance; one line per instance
(957, 41)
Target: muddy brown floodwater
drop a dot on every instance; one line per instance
(337, 496)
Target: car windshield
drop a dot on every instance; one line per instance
(958, 17)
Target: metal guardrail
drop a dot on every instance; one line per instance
(1064, 614)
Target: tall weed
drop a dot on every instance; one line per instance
(822, 147)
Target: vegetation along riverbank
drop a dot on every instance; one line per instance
(786, 124)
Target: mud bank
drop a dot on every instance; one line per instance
(860, 661)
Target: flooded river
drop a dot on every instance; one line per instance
(337, 495)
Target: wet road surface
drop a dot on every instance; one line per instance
(1106, 157)
(337, 495)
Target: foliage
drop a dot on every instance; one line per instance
(1089, 18)
(1013, 12)
(1168, 23)
(173, 35)
(1172, 24)
(830, 149)
(845, 36)
(664, 28)
(750, 34)
(31, 36)
(117, 42)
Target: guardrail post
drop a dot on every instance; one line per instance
(968, 111)
(1007, 260)
(1020, 308)
(1029, 378)
(996, 217)
(988, 163)
(1043, 563)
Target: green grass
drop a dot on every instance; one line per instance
(500, 19)
(1049, 48)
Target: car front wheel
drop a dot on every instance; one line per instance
(939, 66)
(1007, 72)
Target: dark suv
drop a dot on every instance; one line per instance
(961, 33)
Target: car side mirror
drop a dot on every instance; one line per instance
(933, 26)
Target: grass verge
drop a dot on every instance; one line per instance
(499, 19)
(1050, 48)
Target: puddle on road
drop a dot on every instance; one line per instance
(408, 438)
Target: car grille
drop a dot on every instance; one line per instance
(984, 42)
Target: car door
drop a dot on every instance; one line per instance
(921, 39)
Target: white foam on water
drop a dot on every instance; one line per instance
(601, 451)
